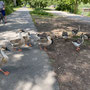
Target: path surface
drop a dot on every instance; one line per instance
(71, 16)
(30, 69)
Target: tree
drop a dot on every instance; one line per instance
(38, 3)
(14, 2)
(69, 4)
(75, 4)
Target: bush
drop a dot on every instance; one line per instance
(65, 6)
(89, 14)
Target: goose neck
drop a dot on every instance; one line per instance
(3, 54)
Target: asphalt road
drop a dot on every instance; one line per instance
(29, 69)
(71, 16)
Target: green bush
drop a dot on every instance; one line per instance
(64, 6)
(88, 14)
(8, 10)
(39, 11)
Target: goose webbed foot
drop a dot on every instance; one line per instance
(30, 45)
(26, 45)
(5, 72)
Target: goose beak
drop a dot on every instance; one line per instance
(22, 31)
(7, 49)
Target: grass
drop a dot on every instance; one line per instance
(87, 42)
(76, 37)
(40, 12)
(16, 8)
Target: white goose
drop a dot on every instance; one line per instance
(44, 43)
(4, 59)
(18, 43)
(78, 43)
(27, 39)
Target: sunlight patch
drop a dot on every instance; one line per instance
(18, 56)
(23, 86)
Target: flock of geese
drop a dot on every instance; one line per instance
(20, 42)
(80, 40)
(43, 42)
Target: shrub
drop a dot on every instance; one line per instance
(9, 10)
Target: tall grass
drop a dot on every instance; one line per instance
(40, 12)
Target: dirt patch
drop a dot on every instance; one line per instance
(72, 67)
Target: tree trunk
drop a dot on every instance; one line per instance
(76, 7)
(14, 2)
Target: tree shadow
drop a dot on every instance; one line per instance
(29, 69)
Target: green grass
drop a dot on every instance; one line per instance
(88, 14)
(9, 10)
(16, 8)
(87, 42)
(40, 12)
(76, 37)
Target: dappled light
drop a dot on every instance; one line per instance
(44, 45)
(29, 69)
(17, 57)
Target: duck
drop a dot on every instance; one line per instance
(18, 43)
(64, 35)
(78, 43)
(87, 36)
(27, 39)
(45, 42)
(4, 59)
(75, 31)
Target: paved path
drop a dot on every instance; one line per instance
(30, 69)
(71, 16)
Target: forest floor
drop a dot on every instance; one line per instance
(72, 67)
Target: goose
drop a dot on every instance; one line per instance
(64, 35)
(78, 43)
(87, 36)
(44, 43)
(27, 39)
(18, 43)
(4, 59)
(75, 31)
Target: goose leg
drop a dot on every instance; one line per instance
(45, 49)
(78, 48)
(40, 48)
(19, 50)
(4, 72)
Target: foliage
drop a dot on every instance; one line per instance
(89, 14)
(64, 5)
(37, 3)
(70, 5)
(8, 10)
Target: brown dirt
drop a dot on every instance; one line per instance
(72, 67)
